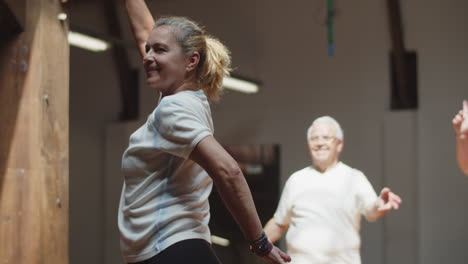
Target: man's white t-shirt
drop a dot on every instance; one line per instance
(323, 211)
(165, 195)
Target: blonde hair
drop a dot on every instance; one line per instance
(215, 59)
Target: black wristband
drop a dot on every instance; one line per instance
(261, 246)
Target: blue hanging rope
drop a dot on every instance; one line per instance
(330, 14)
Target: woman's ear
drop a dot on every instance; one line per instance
(193, 61)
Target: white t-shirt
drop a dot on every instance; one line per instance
(323, 211)
(165, 195)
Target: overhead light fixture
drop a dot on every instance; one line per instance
(254, 169)
(239, 85)
(219, 241)
(62, 16)
(86, 42)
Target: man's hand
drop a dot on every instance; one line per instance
(460, 121)
(276, 256)
(388, 201)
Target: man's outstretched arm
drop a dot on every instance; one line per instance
(386, 201)
(274, 231)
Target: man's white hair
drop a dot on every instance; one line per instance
(328, 120)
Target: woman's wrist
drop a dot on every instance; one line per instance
(261, 246)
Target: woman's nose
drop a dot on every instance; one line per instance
(148, 57)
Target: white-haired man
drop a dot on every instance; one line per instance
(321, 205)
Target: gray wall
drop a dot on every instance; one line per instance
(441, 40)
(284, 46)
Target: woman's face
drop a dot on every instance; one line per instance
(164, 62)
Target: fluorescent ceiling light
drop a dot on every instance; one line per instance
(62, 16)
(239, 85)
(219, 241)
(86, 42)
(254, 169)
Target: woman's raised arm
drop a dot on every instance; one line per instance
(141, 22)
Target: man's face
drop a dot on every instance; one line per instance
(324, 147)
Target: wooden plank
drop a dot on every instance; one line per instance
(54, 101)
(34, 141)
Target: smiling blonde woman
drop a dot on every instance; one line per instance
(173, 159)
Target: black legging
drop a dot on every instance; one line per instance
(191, 251)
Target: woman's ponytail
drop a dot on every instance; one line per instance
(216, 65)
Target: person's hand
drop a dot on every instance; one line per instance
(276, 256)
(388, 200)
(460, 121)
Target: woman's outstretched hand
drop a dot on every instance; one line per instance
(276, 256)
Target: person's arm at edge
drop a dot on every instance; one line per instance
(233, 189)
(141, 22)
(275, 231)
(460, 125)
(462, 153)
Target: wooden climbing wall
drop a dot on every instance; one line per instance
(34, 88)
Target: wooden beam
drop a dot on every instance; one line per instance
(34, 83)
(398, 47)
(128, 78)
(403, 64)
